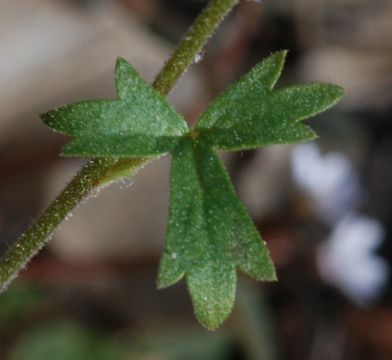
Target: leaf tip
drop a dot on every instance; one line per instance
(53, 119)
(47, 118)
(281, 55)
(269, 272)
(277, 60)
(212, 298)
(334, 92)
(210, 324)
(213, 318)
(168, 274)
(163, 282)
(259, 267)
(273, 276)
(123, 72)
(120, 62)
(339, 92)
(211, 321)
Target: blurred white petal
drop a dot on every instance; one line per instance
(329, 181)
(348, 259)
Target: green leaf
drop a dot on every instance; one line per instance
(249, 114)
(255, 84)
(139, 123)
(209, 234)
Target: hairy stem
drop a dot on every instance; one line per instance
(36, 236)
(100, 172)
(192, 43)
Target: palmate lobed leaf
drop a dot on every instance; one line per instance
(209, 234)
(140, 123)
(249, 114)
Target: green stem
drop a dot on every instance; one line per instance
(36, 236)
(192, 43)
(100, 172)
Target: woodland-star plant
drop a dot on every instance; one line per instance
(209, 233)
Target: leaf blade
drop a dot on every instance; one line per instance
(123, 147)
(257, 82)
(249, 114)
(122, 127)
(278, 120)
(209, 234)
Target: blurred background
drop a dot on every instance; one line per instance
(324, 207)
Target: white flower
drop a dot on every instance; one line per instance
(347, 259)
(329, 181)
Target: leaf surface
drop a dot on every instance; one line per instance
(249, 114)
(139, 123)
(209, 234)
